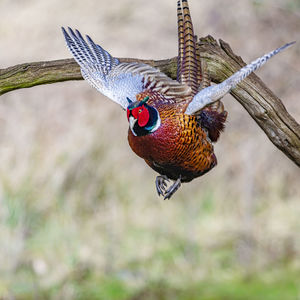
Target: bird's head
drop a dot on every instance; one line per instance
(143, 118)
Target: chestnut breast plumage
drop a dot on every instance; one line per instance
(179, 147)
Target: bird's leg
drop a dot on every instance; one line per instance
(161, 184)
(172, 189)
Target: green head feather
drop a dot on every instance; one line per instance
(145, 100)
(137, 103)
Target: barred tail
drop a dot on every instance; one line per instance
(188, 70)
(191, 69)
(180, 40)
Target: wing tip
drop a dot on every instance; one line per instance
(64, 31)
(287, 45)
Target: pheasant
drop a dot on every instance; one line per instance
(172, 123)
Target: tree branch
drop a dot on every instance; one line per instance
(262, 105)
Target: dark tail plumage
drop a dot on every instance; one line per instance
(213, 121)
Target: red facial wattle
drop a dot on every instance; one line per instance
(128, 114)
(140, 113)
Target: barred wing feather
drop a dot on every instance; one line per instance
(213, 93)
(120, 81)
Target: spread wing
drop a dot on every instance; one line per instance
(213, 93)
(117, 80)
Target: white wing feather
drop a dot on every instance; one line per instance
(215, 92)
(119, 80)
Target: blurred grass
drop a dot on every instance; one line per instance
(85, 284)
(79, 215)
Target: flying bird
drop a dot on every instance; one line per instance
(172, 123)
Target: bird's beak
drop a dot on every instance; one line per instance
(132, 121)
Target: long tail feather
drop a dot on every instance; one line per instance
(180, 40)
(188, 65)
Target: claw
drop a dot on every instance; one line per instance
(161, 186)
(172, 189)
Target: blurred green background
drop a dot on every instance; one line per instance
(79, 213)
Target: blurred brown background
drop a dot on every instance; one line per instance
(79, 213)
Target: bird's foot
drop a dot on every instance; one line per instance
(161, 186)
(172, 189)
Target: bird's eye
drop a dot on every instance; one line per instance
(140, 110)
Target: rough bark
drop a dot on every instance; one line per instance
(262, 105)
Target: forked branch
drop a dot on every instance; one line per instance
(262, 105)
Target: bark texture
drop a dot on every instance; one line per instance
(259, 101)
